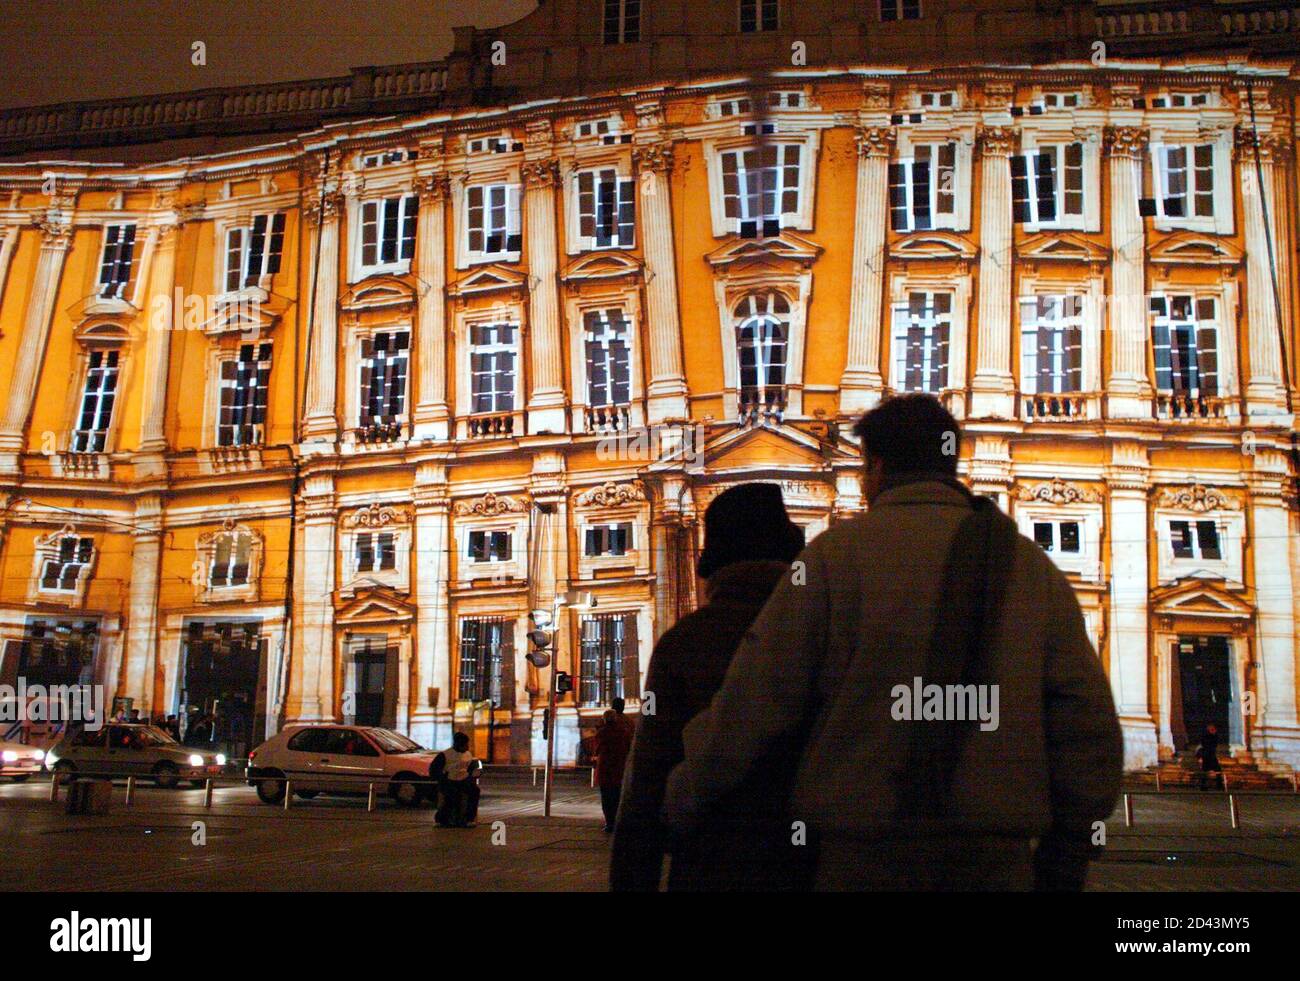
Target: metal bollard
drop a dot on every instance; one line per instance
(288, 793)
(54, 785)
(130, 790)
(1128, 811)
(1234, 812)
(370, 799)
(207, 793)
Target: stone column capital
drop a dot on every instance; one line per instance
(56, 231)
(1274, 148)
(876, 141)
(997, 141)
(432, 188)
(1125, 141)
(324, 207)
(540, 173)
(657, 157)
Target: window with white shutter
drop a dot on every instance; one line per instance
(611, 539)
(1185, 344)
(374, 551)
(762, 323)
(62, 573)
(606, 209)
(923, 188)
(922, 330)
(383, 377)
(1047, 186)
(230, 559)
(488, 546)
(115, 260)
(388, 233)
(493, 353)
(1195, 539)
(99, 392)
(253, 252)
(1185, 181)
(761, 188)
(492, 221)
(1051, 344)
(609, 376)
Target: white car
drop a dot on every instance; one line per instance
(340, 759)
(19, 761)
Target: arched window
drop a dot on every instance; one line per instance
(762, 332)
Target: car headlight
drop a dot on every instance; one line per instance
(50, 758)
(221, 759)
(196, 759)
(10, 756)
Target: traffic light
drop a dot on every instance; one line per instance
(563, 682)
(540, 638)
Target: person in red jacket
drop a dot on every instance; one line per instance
(613, 744)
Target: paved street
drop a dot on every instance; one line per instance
(1177, 842)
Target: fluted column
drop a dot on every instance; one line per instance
(1264, 391)
(992, 390)
(1276, 727)
(431, 417)
(861, 384)
(162, 280)
(141, 654)
(311, 681)
(56, 237)
(1128, 390)
(1128, 485)
(431, 721)
(667, 390)
(546, 399)
(320, 420)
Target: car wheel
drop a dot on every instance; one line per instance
(164, 775)
(65, 770)
(306, 794)
(270, 789)
(405, 790)
(20, 777)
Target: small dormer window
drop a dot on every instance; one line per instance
(385, 158)
(945, 99)
(492, 144)
(1061, 100)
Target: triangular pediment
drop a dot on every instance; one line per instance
(375, 605)
(489, 279)
(378, 293)
(601, 267)
(1061, 247)
(1194, 248)
(768, 447)
(780, 251)
(1200, 598)
(933, 246)
(241, 317)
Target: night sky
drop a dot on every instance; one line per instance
(62, 50)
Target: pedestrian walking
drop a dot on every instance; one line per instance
(932, 669)
(744, 842)
(613, 743)
(1208, 754)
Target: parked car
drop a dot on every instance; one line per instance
(19, 761)
(123, 749)
(340, 759)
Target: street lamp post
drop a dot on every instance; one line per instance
(540, 657)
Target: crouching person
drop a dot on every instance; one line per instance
(457, 771)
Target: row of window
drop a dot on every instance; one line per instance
(1188, 539)
(622, 18)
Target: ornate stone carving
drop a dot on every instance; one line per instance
(490, 505)
(323, 207)
(999, 94)
(876, 95)
(1126, 141)
(654, 156)
(377, 516)
(876, 141)
(997, 140)
(432, 188)
(56, 232)
(1057, 491)
(649, 115)
(612, 495)
(540, 173)
(1197, 498)
(1273, 147)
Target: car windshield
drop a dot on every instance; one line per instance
(156, 735)
(393, 742)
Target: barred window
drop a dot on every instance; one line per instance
(245, 383)
(606, 209)
(388, 231)
(1051, 344)
(609, 375)
(492, 220)
(922, 331)
(62, 573)
(492, 367)
(115, 262)
(610, 665)
(383, 377)
(1185, 342)
(487, 661)
(98, 395)
(760, 187)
